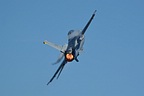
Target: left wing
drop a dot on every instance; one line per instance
(58, 47)
(59, 70)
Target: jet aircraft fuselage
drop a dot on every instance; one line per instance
(75, 45)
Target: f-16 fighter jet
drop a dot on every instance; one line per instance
(71, 50)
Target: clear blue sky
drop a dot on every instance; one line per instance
(112, 63)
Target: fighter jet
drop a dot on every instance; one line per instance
(71, 50)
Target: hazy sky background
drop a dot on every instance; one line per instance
(112, 63)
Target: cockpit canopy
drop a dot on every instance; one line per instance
(73, 33)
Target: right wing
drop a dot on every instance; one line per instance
(58, 47)
(59, 70)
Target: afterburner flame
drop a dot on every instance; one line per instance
(69, 57)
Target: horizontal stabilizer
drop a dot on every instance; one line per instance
(59, 58)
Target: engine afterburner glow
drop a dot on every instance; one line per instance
(69, 57)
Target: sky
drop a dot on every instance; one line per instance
(112, 63)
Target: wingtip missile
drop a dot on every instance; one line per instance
(45, 42)
(95, 11)
(48, 83)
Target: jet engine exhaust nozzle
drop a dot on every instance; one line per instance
(69, 57)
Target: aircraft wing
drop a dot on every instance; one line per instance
(85, 28)
(59, 70)
(58, 47)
